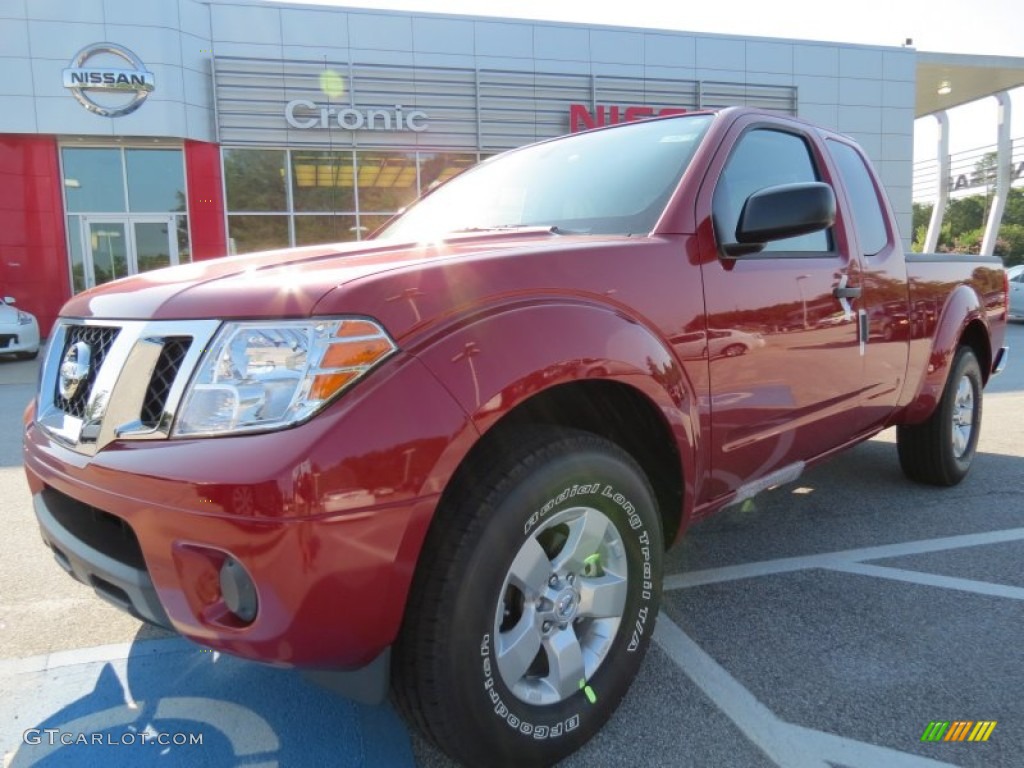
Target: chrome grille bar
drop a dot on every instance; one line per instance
(135, 386)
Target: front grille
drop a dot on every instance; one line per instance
(136, 376)
(7, 339)
(99, 338)
(167, 367)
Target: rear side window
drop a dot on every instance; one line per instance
(764, 158)
(867, 211)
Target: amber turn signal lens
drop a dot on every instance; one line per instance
(349, 354)
(325, 385)
(351, 329)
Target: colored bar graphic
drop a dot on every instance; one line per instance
(982, 730)
(958, 730)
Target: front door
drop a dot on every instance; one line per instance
(784, 363)
(117, 246)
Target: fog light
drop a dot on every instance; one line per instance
(238, 591)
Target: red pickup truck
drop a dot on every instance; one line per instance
(451, 458)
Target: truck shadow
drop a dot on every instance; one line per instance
(859, 498)
(173, 703)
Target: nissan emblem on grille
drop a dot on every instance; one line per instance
(74, 369)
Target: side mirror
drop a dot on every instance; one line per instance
(786, 210)
(8, 299)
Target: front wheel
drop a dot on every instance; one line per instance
(940, 451)
(535, 602)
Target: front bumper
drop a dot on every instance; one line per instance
(108, 559)
(326, 519)
(19, 339)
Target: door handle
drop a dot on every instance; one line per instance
(846, 292)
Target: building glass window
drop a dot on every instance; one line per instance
(438, 167)
(156, 180)
(312, 230)
(257, 233)
(94, 180)
(127, 211)
(387, 180)
(184, 242)
(323, 181)
(75, 253)
(281, 197)
(255, 180)
(370, 223)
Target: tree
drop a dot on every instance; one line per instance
(922, 215)
(963, 215)
(1010, 244)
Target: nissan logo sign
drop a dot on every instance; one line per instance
(85, 81)
(74, 369)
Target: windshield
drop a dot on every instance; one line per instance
(605, 182)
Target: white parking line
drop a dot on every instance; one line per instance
(99, 653)
(786, 744)
(838, 560)
(932, 580)
(754, 719)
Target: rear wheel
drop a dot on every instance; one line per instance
(940, 450)
(734, 350)
(535, 600)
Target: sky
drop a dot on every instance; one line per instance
(984, 27)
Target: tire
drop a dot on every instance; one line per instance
(534, 602)
(27, 355)
(735, 350)
(940, 450)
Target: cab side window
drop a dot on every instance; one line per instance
(867, 212)
(764, 158)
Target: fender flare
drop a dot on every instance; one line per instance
(499, 359)
(962, 309)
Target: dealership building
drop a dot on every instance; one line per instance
(136, 135)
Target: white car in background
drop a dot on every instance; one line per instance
(1016, 275)
(717, 342)
(19, 332)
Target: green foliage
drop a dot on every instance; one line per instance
(968, 242)
(965, 214)
(964, 225)
(1011, 237)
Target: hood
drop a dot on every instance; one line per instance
(283, 283)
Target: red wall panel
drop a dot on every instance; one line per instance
(33, 248)
(205, 200)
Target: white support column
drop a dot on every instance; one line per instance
(1004, 164)
(931, 240)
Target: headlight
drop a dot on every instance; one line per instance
(24, 318)
(263, 376)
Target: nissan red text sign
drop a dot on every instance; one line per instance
(581, 117)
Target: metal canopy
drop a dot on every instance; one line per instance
(968, 77)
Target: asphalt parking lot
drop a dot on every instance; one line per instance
(826, 624)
